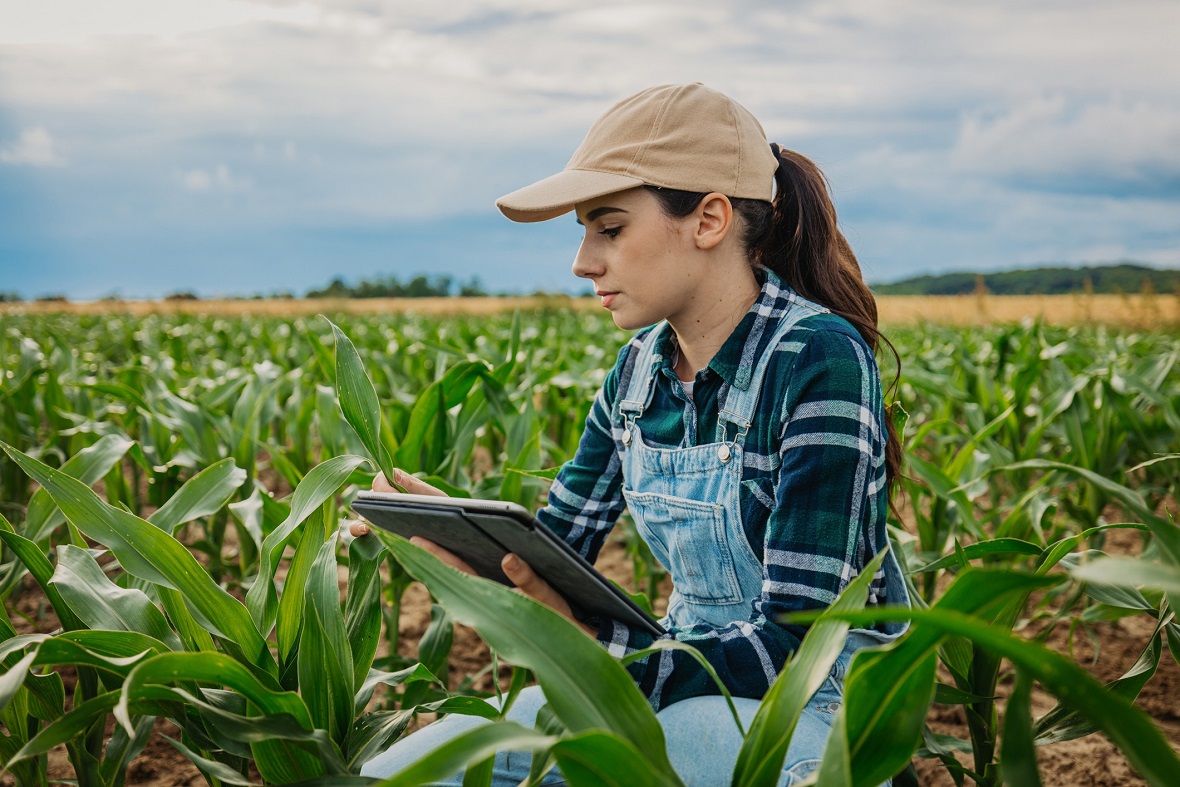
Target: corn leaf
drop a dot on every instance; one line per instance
(472, 746)
(595, 758)
(101, 604)
(760, 761)
(325, 660)
(1018, 757)
(321, 483)
(358, 399)
(149, 553)
(204, 494)
(585, 686)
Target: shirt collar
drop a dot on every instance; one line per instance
(773, 299)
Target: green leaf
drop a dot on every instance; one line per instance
(760, 761)
(325, 661)
(1129, 572)
(321, 483)
(146, 552)
(835, 769)
(211, 769)
(358, 399)
(1127, 727)
(204, 494)
(472, 746)
(101, 604)
(595, 758)
(284, 719)
(949, 695)
(293, 604)
(88, 466)
(362, 608)
(372, 734)
(39, 566)
(888, 691)
(585, 686)
(1018, 757)
(996, 546)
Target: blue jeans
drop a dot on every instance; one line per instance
(703, 741)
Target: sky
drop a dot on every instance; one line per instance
(233, 147)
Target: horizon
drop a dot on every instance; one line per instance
(240, 147)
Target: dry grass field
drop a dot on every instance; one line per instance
(1139, 310)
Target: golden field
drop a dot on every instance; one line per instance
(1138, 310)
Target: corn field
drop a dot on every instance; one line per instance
(174, 493)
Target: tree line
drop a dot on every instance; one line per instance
(1114, 279)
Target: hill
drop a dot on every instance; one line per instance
(1124, 277)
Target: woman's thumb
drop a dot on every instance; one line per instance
(415, 486)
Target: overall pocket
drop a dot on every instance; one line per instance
(690, 538)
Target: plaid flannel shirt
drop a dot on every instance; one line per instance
(813, 497)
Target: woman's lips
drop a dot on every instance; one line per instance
(608, 298)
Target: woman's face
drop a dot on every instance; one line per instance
(640, 261)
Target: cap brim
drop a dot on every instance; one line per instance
(557, 194)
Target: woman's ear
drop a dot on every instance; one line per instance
(714, 217)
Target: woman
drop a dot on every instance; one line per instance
(744, 431)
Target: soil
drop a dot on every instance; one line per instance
(1092, 760)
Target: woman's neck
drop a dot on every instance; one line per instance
(701, 331)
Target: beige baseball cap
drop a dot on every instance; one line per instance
(688, 137)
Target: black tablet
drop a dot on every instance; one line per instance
(481, 532)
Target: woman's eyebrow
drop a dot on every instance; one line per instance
(592, 215)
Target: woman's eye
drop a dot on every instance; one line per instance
(611, 232)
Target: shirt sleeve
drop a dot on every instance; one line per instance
(832, 454)
(586, 497)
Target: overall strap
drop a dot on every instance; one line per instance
(740, 405)
(639, 386)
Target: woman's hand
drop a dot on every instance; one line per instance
(528, 583)
(403, 479)
(522, 575)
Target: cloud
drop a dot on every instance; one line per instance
(1090, 145)
(219, 178)
(33, 149)
(954, 135)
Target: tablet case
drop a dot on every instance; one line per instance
(481, 532)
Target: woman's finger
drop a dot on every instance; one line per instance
(530, 584)
(381, 484)
(358, 528)
(523, 576)
(415, 486)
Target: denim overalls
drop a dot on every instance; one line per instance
(685, 504)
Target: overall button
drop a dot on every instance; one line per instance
(626, 437)
(723, 452)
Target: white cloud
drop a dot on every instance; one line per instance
(219, 178)
(1055, 137)
(33, 149)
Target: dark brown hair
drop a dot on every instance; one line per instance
(797, 237)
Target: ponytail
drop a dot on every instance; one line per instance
(803, 245)
(797, 237)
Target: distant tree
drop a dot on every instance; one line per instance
(53, 299)
(472, 289)
(1121, 277)
(10, 297)
(182, 296)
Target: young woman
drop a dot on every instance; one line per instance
(744, 430)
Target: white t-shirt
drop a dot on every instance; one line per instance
(687, 385)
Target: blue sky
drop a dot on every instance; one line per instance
(232, 147)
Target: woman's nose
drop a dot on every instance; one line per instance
(584, 263)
